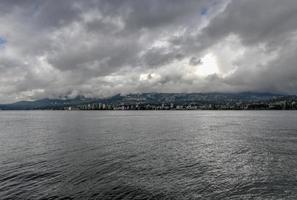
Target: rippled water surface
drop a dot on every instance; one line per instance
(148, 155)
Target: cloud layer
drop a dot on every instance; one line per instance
(98, 48)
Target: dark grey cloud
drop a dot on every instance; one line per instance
(255, 21)
(54, 48)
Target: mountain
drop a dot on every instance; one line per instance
(148, 98)
(199, 97)
(55, 104)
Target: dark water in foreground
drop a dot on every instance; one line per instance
(148, 155)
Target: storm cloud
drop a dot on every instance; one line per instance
(97, 48)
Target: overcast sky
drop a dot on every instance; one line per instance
(98, 48)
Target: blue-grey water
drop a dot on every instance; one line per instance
(148, 155)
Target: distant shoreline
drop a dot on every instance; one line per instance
(147, 110)
(165, 101)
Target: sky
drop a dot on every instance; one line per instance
(99, 48)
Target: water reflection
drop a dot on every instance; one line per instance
(148, 155)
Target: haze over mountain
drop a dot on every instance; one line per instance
(99, 48)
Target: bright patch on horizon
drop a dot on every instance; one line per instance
(208, 66)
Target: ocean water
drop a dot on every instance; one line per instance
(148, 155)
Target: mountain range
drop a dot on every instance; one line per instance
(149, 98)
